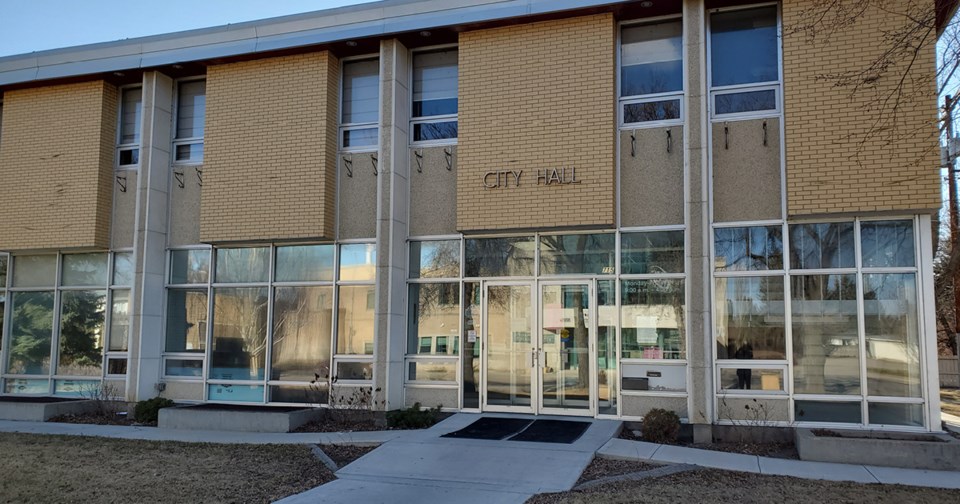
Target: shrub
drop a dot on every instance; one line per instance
(660, 426)
(148, 411)
(413, 417)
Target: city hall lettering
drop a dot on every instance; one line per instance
(511, 178)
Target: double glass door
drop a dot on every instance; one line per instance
(538, 338)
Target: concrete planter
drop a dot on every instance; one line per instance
(226, 418)
(42, 410)
(920, 451)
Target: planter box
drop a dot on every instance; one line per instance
(935, 451)
(236, 418)
(41, 409)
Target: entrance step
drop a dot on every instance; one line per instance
(223, 417)
(41, 409)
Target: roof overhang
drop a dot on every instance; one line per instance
(312, 30)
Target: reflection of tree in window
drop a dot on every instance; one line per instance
(744, 249)
(81, 333)
(31, 333)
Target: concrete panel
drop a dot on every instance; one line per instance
(184, 226)
(433, 191)
(431, 397)
(357, 199)
(183, 391)
(123, 223)
(43, 411)
(921, 451)
(213, 418)
(637, 406)
(753, 411)
(651, 177)
(746, 173)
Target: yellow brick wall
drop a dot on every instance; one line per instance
(56, 162)
(829, 166)
(538, 96)
(270, 149)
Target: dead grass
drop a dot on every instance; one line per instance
(950, 401)
(720, 487)
(66, 469)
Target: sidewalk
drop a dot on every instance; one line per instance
(372, 438)
(623, 449)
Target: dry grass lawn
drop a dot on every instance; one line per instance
(66, 469)
(722, 487)
(950, 401)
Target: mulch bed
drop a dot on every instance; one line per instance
(776, 450)
(343, 454)
(98, 419)
(602, 468)
(341, 425)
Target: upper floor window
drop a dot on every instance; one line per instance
(360, 109)
(651, 72)
(745, 61)
(131, 111)
(434, 115)
(191, 113)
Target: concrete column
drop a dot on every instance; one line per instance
(699, 289)
(146, 300)
(392, 224)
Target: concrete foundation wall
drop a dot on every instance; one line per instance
(431, 397)
(637, 406)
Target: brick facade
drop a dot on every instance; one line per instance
(533, 97)
(56, 163)
(271, 145)
(835, 163)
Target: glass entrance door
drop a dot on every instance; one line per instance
(508, 346)
(566, 332)
(538, 344)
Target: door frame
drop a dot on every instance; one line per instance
(536, 343)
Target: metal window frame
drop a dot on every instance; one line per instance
(176, 142)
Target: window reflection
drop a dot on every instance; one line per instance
(892, 329)
(651, 59)
(31, 333)
(746, 249)
(744, 46)
(305, 263)
(240, 265)
(355, 320)
(358, 261)
(435, 259)
(239, 333)
(302, 326)
(826, 341)
(652, 252)
(578, 254)
(491, 257)
(653, 319)
(750, 318)
(82, 316)
(815, 246)
(433, 318)
(887, 244)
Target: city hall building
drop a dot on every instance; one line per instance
(578, 207)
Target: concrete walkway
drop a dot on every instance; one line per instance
(374, 438)
(425, 468)
(623, 449)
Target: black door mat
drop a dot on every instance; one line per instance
(491, 428)
(553, 431)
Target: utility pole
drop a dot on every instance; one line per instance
(954, 215)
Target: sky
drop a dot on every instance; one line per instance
(37, 25)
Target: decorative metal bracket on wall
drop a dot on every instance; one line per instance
(122, 182)
(764, 132)
(669, 141)
(348, 165)
(178, 175)
(449, 155)
(726, 137)
(374, 160)
(633, 143)
(419, 154)
(199, 176)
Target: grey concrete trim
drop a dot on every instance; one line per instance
(41, 412)
(377, 19)
(323, 457)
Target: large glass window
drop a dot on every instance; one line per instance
(745, 60)
(826, 339)
(360, 108)
(435, 259)
(128, 143)
(748, 248)
(273, 310)
(652, 252)
(434, 115)
(579, 254)
(750, 318)
(66, 334)
(651, 72)
(892, 327)
(822, 246)
(653, 319)
(491, 257)
(191, 115)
